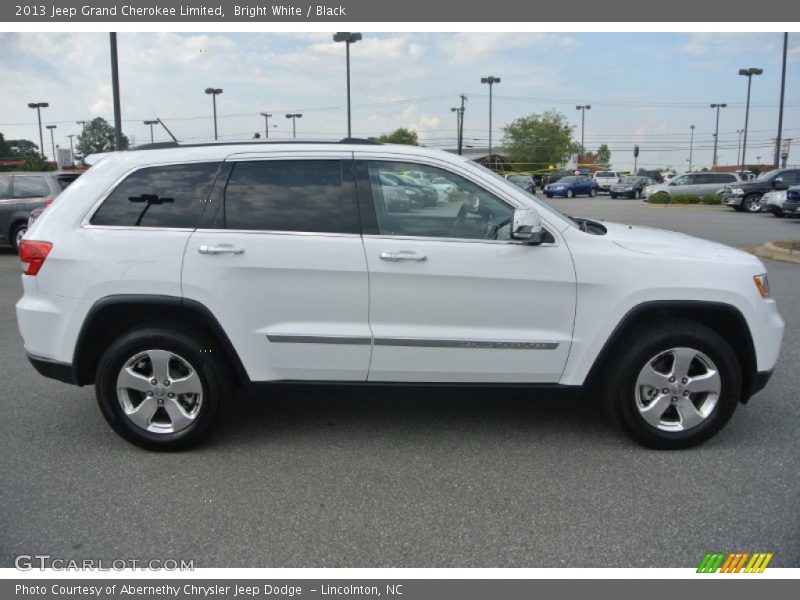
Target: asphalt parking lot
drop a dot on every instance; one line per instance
(399, 479)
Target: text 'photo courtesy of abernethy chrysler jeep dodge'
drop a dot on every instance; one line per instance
(168, 276)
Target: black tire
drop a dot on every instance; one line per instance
(779, 213)
(549, 195)
(613, 196)
(17, 231)
(752, 203)
(570, 193)
(203, 356)
(637, 194)
(592, 192)
(636, 351)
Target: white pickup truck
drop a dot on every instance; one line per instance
(605, 179)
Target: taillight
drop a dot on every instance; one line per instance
(48, 201)
(32, 255)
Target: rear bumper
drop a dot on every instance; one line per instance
(59, 371)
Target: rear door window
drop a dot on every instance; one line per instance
(288, 195)
(30, 187)
(65, 180)
(171, 196)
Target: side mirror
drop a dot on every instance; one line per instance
(777, 181)
(526, 226)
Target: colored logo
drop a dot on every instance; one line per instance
(736, 562)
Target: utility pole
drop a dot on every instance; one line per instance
(39, 106)
(266, 124)
(780, 110)
(490, 80)
(691, 147)
(716, 135)
(749, 74)
(53, 142)
(583, 108)
(71, 148)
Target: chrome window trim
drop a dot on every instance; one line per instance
(386, 236)
(410, 342)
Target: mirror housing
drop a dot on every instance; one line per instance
(526, 226)
(776, 181)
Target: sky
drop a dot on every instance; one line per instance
(645, 89)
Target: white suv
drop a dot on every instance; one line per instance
(164, 276)
(605, 179)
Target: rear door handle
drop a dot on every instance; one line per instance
(220, 249)
(403, 255)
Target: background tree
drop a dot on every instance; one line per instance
(604, 154)
(20, 148)
(35, 162)
(5, 150)
(98, 137)
(401, 136)
(540, 140)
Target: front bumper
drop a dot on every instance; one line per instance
(791, 207)
(732, 199)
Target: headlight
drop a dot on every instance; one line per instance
(762, 283)
(559, 187)
(737, 191)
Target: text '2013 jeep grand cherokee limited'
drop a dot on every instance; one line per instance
(164, 275)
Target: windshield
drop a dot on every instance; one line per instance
(632, 179)
(767, 175)
(604, 174)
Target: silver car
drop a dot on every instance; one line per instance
(773, 202)
(700, 184)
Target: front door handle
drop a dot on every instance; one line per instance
(403, 255)
(220, 249)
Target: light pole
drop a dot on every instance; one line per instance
(583, 108)
(214, 92)
(39, 106)
(348, 38)
(780, 110)
(266, 124)
(716, 134)
(151, 123)
(294, 117)
(739, 146)
(53, 142)
(691, 147)
(115, 91)
(490, 80)
(749, 74)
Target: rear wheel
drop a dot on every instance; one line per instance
(160, 388)
(17, 232)
(752, 203)
(673, 386)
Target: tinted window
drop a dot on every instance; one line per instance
(287, 195)
(605, 174)
(30, 187)
(169, 196)
(791, 177)
(65, 180)
(5, 187)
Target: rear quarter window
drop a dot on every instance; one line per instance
(5, 187)
(171, 196)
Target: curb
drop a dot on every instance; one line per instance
(771, 251)
(692, 206)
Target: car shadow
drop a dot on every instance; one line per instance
(410, 412)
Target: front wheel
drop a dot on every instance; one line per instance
(673, 386)
(160, 388)
(613, 196)
(638, 194)
(752, 203)
(570, 193)
(592, 192)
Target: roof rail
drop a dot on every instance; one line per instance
(164, 145)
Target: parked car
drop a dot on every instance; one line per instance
(668, 176)
(524, 182)
(773, 202)
(443, 188)
(141, 281)
(572, 186)
(700, 184)
(746, 196)
(22, 192)
(605, 179)
(791, 206)
(655, 175)
(426, 194)
(630, 187)
(398, 198)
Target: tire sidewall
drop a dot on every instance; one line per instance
(623, 401)
(14, 233)
(160, 339)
